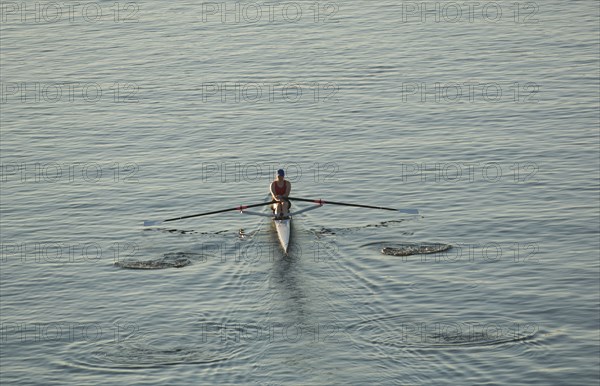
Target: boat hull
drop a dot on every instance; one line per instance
(283, 228)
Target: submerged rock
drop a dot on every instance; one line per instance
(415, 249)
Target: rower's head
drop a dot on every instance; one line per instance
(280, 174)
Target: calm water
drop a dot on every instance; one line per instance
(484, 117)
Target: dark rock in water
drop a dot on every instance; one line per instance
(396, 251)
(153, 264)
(415, 249)
(326, 231)
(181, 263)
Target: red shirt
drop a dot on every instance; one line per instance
(280, 191)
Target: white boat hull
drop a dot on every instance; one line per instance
(283, 228)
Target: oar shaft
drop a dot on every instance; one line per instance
(321, 202)
(240, 208)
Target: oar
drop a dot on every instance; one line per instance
(322, 202)
(240, 208)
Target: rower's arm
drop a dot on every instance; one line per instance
(272, 192)
(288, 189)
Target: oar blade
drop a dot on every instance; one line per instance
(150, 223)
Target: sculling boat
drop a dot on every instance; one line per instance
(282, 225)
(283, 228)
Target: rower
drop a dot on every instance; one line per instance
(280, 190)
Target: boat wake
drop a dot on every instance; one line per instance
(143, 351)
(404, 331)
(335, 231)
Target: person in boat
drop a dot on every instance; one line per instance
(280, 191)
